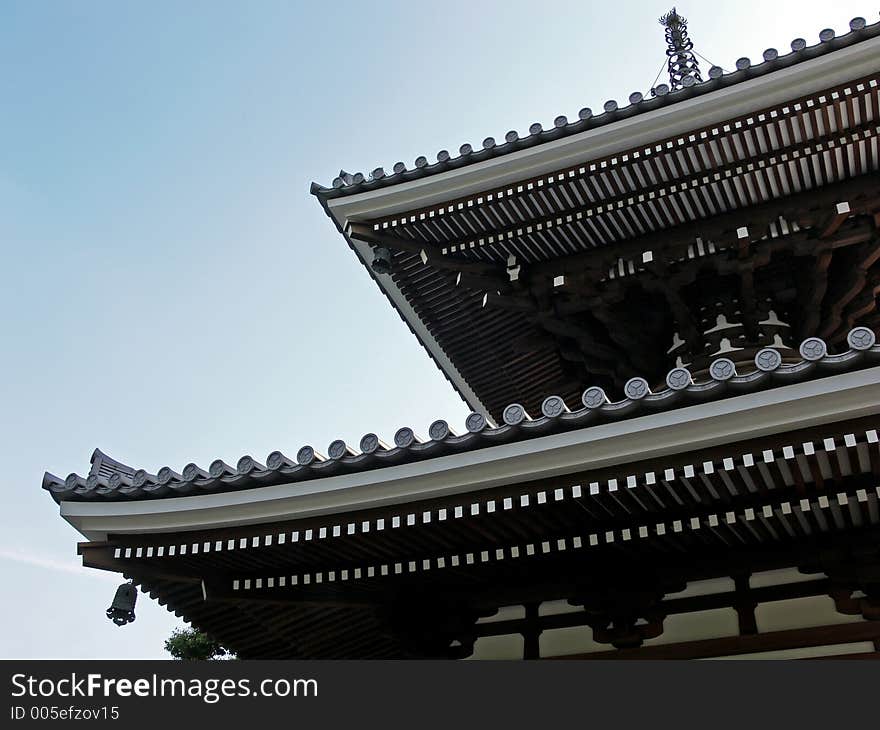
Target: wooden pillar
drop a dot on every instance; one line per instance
(532, 633)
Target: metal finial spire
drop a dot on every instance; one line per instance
(682, 61)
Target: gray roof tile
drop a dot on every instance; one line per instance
(111, 480)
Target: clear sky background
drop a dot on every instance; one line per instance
(169, 290)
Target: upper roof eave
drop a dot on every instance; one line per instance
(794, 74)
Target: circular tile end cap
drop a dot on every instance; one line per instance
(813, 349)
(337, 449)
(305, 456)
(164, 475)
(245, 465)
(217, 468)
(369, 443)
(678, 379)
(275, 460)
(636, 388)
(438, 430)
(768, 359)
(553, 406)
(475, 422)
(861, 338)
(404, 437)
(594, 397)
(514, 414)
(722, 369)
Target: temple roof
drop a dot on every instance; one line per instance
(612, 111)
(111, 480)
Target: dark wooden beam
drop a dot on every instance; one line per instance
(736, 645)
(835, 220)
(847, 288)
(672, 606)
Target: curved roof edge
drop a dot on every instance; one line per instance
(351, 184)
(110, 480)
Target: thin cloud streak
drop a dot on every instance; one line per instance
(18, 556)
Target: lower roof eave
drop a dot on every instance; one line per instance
(826, 400)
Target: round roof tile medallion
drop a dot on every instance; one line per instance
(275, 460)
(514, 414)
(438, 430)
(165, 475)
(594, 397)
(798, 44)
(245, 465)
(421, 161)
(768, 359)
(358, 178)
(217, 468)
(190, 472)
(337, 449)
(536, 128)
(115, 480)
(585, 113)
(475, 422)
(743, 63)
(305, 456)
(369, 443)
(465, 149)
(511, 136)
(553, 406)
(826, 35)
(560, 121)
(771, 54)
(72, 480)
(338, 182)
(139, 478)
(399, 167)
(857, 23)
(813, 349)
(378, 173)
(661, 90)
(636, 388)
(722, 369)
(678, 378)
(92, 482)
(861, 338)
(610, 106)
(635, 97)
(716, 72)
(688, 81)
(488, 143)
(443, 156)
(404, 437)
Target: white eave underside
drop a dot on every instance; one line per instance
(850, 395)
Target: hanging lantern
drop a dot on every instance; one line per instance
(381, 260)
(121, 611)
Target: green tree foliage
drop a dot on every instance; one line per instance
(193, 644)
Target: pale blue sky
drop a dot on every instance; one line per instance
(170, 290)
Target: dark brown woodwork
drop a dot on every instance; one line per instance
(736, 645)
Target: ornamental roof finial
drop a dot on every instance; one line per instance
(682, 63)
